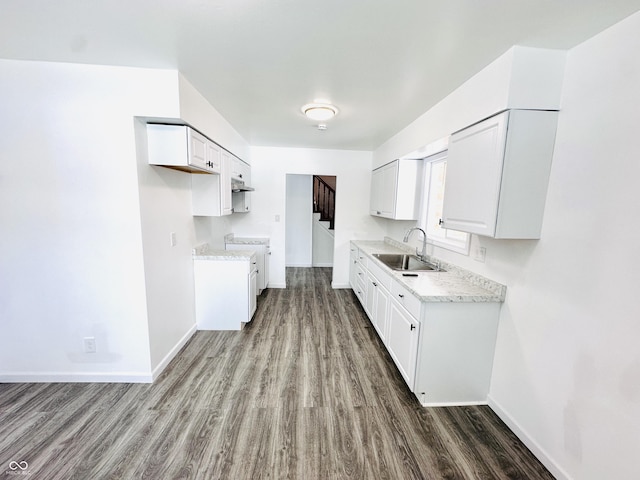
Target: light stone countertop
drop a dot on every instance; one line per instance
(453, 285)
(205, 252)
(231, 238)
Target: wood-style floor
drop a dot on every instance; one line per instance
(305, 391)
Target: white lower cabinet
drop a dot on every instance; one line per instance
(225, 292)
(443, 350)
(402, 341)
(455, 353)
(263, 253)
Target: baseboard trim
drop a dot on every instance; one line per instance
(339, 286)
(539, 452)
(172, 353)
(277, 285)
(323, 265)
(79, 377)
(453, 404)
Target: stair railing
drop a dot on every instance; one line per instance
(324, 200)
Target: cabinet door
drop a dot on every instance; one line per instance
(382, 312)
(370, 296)
(353, 262)
(236, 168)
(213, 157)
(198, 149)
(267, 258)
(260, 266)
(474, 173)
(253, 293)
(384, 183)
(402, 342)
(225, 184)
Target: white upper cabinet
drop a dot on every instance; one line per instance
(395, 190)
(182, 148)
(240, 170)
(497, 175)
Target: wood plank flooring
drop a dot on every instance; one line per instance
(305, 391)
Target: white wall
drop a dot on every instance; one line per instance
(71, 264)
(567, 367)
(165, 208)
(568, 362)
(270, 166)
(523, 77)
(323, 243)
(298, 221)
(198, 112)
(86, 250)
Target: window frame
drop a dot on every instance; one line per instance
(456, 245)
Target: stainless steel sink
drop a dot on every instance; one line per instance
(408, 263)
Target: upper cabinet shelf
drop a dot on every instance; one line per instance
(395, 190)
(497, 175)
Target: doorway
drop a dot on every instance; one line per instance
(310, 220)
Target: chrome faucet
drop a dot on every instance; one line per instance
(422, 255)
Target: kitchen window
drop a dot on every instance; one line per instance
(435, 170)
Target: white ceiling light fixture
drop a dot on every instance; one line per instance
(320, 112)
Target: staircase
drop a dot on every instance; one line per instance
(324, 201)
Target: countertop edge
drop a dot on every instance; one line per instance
(204, 252)
(495, 293)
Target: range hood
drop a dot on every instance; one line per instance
(238, 186)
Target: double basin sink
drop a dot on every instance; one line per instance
(406, 263)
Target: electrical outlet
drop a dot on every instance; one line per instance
(480, 253)
(172, 239)
(89, 344)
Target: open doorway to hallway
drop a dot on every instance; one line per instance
(310, 220)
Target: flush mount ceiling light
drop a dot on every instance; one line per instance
(320, 112)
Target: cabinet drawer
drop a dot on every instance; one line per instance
(380, 275)
(362, 260)
(405, 298)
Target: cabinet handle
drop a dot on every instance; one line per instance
(240, 175)
(413, 327)
(378, 212)
(401, 295)
(440, 222)
(374, 284)
(360, 273)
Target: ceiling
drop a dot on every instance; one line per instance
(382, 62)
